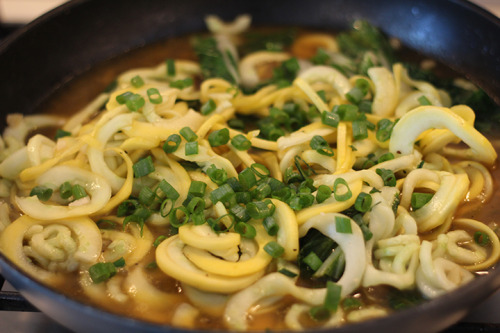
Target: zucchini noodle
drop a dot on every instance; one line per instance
(255, 188)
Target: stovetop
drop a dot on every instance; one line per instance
(17, 315)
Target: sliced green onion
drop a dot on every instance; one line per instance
(179, 216)
(301, 201)
(135, 102)
(102, 271)
(424, 100)
(65, 190)
(365, 106)
(143, 167)
(261, 191)
(78, 192)
(247, 178)
(384, 130)
(387, 176)
(330, 119)
(313, 261)
(323, 193)
(137, 81)
(287, 272)
(271, 225)
(343, 225)
(333, 295)
(347, 191)
(123, 98)
(322, 95)
(236, 123)
(385, 157)
(147, 196)
(181, 84)
(218, 176)
(154, 96)
(172, 143)
(127, 207)
(240, 142)
(158, 240)
(119, 263)
(260, 170)
(359, 129)
(319, 313)
(240, 213)
(191, 148)
(170, 64)
(260, 209)
(319, 144)
(223, 193)
(61, 134)
(105, 224)
(346, 112)
(208, 107)
(188, 134)
(351, 303)
(166, 207)
(169, 191)
(219, 137)
(418, 200)
(355, 95)
(197, 188)
(245, 230)
(284, 194)
(196, 206)
(481, 238)
(274, 249)
(42, 192)
(243, 197)
(198, 218)
(292, 176)
(363, 202)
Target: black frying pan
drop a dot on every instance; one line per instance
(47, 53)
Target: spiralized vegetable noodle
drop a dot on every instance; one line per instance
(282, 187)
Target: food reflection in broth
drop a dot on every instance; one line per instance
(253, 173)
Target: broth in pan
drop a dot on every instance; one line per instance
(254, 179)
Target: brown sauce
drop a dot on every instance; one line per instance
(81, 90)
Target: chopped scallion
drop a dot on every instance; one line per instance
(245, 230)
(135, 102)
(188, 134)
(346, 195)
(387, 176)
(363, 202)
(343, 225)
(143, 167)
(172, 143)
(481, 238)
(61, 134)
(137, 81)
(323, 193)
(42, 192)
(170, 64)
(424, 100)
(274, 249)
(181, 84)
(271, 225)
(418, 200)
(191, 148)
(197, 188)
(240, 142)
(78, 192)
(154, 96)
(208, 107)
(218, 137)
